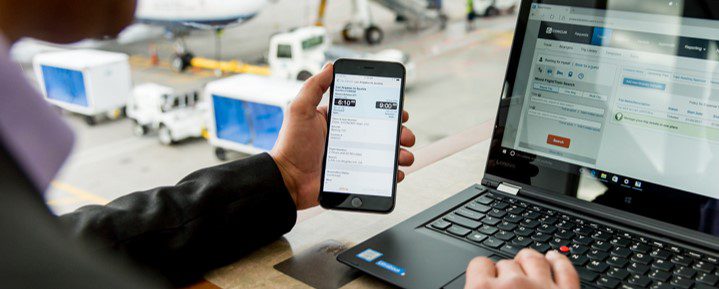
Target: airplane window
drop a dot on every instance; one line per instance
(284, 51)
(312, 42)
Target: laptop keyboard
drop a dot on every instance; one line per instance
(604, 257)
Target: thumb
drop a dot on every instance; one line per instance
(314, 88)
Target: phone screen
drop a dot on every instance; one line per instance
(362, 141)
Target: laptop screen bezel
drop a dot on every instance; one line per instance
(495, 177)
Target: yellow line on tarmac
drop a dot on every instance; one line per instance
(79, 193)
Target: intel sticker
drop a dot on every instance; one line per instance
(390, 267)
(369, 255)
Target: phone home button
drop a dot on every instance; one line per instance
(356, 202)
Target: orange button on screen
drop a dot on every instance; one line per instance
(558, 141)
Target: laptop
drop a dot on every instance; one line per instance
(605, 148)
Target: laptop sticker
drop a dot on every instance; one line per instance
(390, 267)
(369, 255)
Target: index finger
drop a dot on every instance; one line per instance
(565, 276)
(405, 116)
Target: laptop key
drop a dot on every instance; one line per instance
(639, 280)
(523, 231)
(578, 260)
(641, 258)
(492, 221)
(478, 207)
(659, 275)
(584, 231)
(541, 237)
(622, 252)
(597, 255)
(529, 223)
(703, 286)
(564, 234)
(458, 231)
(497, 213)
(608, 282)
(582, 240)
(493, 242)
(578, 249)
(661, 285)
(504, 235)
(462, 221)
(637, 268)
(602, 246)
(547, 229)
(685, 272)
(487, 230)
(512, 218)
(708, 279)
(586, 275)
(511, 249)
(618, 262)
(441, 224)
(618, 273)
(540, 247)
(703, 267)
(640, 248)
(477, 237)
(682, 260)
(469, 214)
(516, 210)
(558, 242)
(484, 200)
(531, 215)
(660, 254)
(620, 242)
(521, 241)
(500, 205)
(507, 226)
(681, 282)
(662, 265)
(597, 266)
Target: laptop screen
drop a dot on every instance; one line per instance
(616, 103)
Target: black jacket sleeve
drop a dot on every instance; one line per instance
(209, 219)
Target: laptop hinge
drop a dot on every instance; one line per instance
(508, 188)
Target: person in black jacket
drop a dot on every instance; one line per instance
(169, 235)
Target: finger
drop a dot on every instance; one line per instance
(323, 110)
(506, 269)
(535, 265)
(400, 176)
(480, 271)
(313, 89)
(407, 137)
(406, 158)
(405, 116)
(565, 276)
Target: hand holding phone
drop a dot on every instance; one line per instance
(359, 170)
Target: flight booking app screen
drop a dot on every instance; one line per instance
(362, 139)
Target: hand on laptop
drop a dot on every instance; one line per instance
(528, 270)
(301, 143)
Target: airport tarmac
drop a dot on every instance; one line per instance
(458, 86)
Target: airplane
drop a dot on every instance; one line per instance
(174, 19)
(180, 17)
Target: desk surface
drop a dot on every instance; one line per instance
(419, 191)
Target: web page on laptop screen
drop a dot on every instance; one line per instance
(628, 93)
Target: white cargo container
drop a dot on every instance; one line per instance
(246, 112)
(87, 82)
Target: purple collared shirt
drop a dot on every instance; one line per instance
(34, 135)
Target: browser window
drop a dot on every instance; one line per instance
(629, 93)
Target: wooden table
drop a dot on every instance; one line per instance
(422, 189)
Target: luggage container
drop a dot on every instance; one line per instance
(246, 112)
(91, 83)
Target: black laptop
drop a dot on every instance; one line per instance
(606, 148)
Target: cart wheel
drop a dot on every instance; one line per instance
(491, 12)
(304, 75)
(373, 35)
(221, 154)
(139, 130)
(180, 62)
(347, 34)
(90, 120)
(165, 135)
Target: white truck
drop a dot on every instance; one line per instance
(491, 8)
(91, 83)
(246, 112)
(175, 116)
(302, 52)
